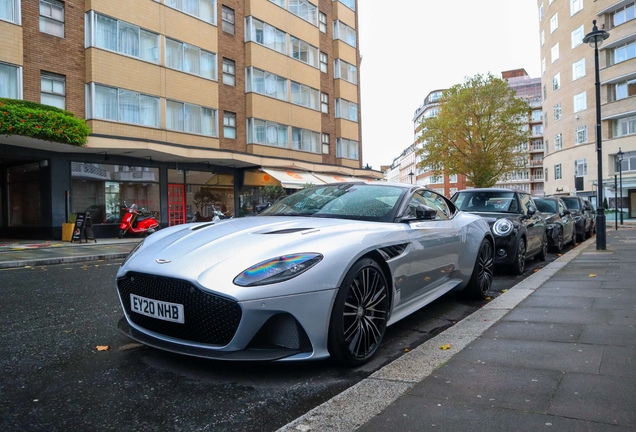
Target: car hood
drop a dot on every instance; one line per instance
(491, 217)
(213, 254)
(551, 218)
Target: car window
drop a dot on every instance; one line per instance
(435, 201)
(572, 203)
(545, 206)
(486, 201)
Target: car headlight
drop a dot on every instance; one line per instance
(577, 218)
(551, 226)
(277, 269)
(133, 251)
(502, 227)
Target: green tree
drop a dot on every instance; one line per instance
(476, 133)
(272, 193)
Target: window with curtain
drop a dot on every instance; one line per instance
(267, 133)
(229, 125)
(347, 149)
(305, 140)
(52, 17)
(304, 95)
(227, 18)
(229, 72)
(346, 110)
(121, 37)
(10, 81)
(121, 105)
(53, 90)
(191, 59)
(625, 89)
(202, 9)
(266, 35)
(323, 62)
(301, 50)
(10, 11)
(190, 118)
(305, 10)
(623, 52)
(266, 83)
(343, 32)
(346, 71)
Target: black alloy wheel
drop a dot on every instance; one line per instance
(558, 244)
(543, 253)
(359, 315)
(520, 259)
(483, 273)
(573, 240)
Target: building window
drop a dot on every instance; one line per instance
(121, 37)
(191, 59)
(625, 89)
(541, 12)
(185, 117)
(554, 53)
(580, 134)
(346, 110)
(345, 71)
(542, 37)
(10, 81)
(578, 69)
(577, 36)
(629, 162)
(202, 9)
(304, 95)
(543, 66)
(53, 90)
(343, 32)
(266, 83)
(227, 19)
(324, 103)
(301, 50)
(306, 140)
(537, 130)
(229, 125)
(558, 142)
(580, 167)
(452, 178)
(545, 92)
(545, 174)
(554, 22)
(322, 18)
(121, 105)
(305, 10)
(266, 35)
(547, 147)
(557, 172)
(556, 82)
(325, 143)
(575, 6)
(351, 4)
(580, 102)
(347, 149)
(51, 17)
(620, 127)
(10, 11)
(267, 133)
(229, 72)
(557, 112)
(623, 52)
(323, 62)
(623, 14)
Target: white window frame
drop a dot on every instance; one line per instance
(229, 125)
(229, 71)
(326, 140)
(194, 126)
(580, 134)
(324, 62)
(347, 149)
(345, 71)
(182, 48)
(558, 142)
(575, 6)
(198, 12)
(52, 17)
(580, 102)
(557, 112)
(324, 103)
(578, 69)
(266, 83)
(265, 34)
(306, 140)
(305, 10)
(556, 82)
(558, 172)
(53, 88)
(623, 14)
(303, 51)
(554, 23)
(580, 167)
(7, 88)
(623, 52)
(343, 32)
(554, 52)
(122, 97)
(624, 126)
(304, 95)
(622, 89)
(227, 19)
(12, 12)
(264, 132)
(346, 110)
(577, 36)
(322, 20)
(542, 37)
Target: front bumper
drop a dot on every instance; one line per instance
(505, 250)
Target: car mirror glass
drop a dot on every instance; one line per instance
(531, 210)
(425, 213)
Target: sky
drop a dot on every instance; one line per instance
(426, 45)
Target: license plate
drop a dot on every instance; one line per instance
(157, 309)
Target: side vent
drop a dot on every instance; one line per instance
(390, 252)
(202, 226)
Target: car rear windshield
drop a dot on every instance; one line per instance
(486, 201)
(545, 206)
(572, 203)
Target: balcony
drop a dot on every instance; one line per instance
(535, 163)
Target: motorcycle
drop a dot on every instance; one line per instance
(216, 215)
(137, 221)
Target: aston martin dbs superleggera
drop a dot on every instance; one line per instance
(320, 273)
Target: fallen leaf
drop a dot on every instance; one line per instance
(536, 270)
(559, 254)
(102, 347)
(406, 350)
(445, 347)
(504, 290)
(487, 298)
(591, 275)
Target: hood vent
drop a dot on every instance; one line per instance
(391, 252)
(288, 231)
(202, 226)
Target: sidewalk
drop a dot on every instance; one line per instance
(21, 253)
(556, 352)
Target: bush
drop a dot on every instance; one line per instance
(18, 117)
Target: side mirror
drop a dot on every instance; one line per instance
(425, 213)
(531, 210)
(566, 212)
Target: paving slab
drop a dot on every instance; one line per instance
(533, 331)
(560, 315)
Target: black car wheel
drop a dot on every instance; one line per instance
(359, 315)
(543, 254)
(573, 239)
(483, 272)
(580, 234)
(558, 243)
(588, 233)
(520, 259)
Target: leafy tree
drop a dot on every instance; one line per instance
(272, 193)
(480, 124)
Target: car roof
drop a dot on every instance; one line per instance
(492, 190)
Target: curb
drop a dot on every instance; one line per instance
(374, 394)
(60, 260)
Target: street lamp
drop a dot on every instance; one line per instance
(619, 159)
(595, 38)
(411, 174)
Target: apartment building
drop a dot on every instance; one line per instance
(569, 101)
(192, 105)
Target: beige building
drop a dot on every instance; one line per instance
(225, 96)
(569, 102)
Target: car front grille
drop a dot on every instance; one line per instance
(209, 318)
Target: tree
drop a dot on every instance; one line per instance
(479, 126)
(272, 193)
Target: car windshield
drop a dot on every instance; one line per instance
(367, 202)
(545, 206)
(572, 203)
(486, 201)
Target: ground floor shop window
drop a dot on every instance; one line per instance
(206, 194)
(102, 190)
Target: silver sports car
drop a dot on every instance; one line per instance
(320, 273)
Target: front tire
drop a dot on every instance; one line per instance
(359, 315)
(541, 256)
(483, 273)
(122, 233)
(520, 259)
(558, 245)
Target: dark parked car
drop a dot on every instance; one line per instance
(561, 228)
(584, 227)
(519, 229)
(591, 210)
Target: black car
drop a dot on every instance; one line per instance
(581, 215)
(519, 229)
(591, 210)
(561, 228)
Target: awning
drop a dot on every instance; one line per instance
(291, 179)
(336, 178)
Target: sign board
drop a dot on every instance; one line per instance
(83, 229)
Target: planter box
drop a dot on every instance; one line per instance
(67, 231)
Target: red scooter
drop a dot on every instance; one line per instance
(137, 221)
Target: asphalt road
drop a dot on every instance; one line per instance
(54, 378)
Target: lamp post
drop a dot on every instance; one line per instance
(411, 174)
(619, 158)
(595, 38)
